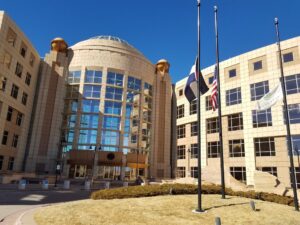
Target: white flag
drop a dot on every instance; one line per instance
(270, 98)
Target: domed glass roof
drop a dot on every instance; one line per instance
(112, 38)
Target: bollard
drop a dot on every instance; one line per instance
(107, 184)
(252, 205)
(87, 185)
(125, 184)
(218, 221)
(45, 184)
(22, 184)
(66, 184)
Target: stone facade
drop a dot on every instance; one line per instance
(244, 79)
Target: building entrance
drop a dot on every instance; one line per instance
(78, 171)
(109, 172)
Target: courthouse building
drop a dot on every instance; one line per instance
(98, 108)
(101, 109)
(253, 140)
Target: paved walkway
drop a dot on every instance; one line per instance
(17, 207)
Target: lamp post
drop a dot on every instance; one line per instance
(59, 160)
(57, 170)
(94, 159)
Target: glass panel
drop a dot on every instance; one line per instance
(113, 107)
(87, 136)
(111, 122)
(115, 79)
(110, 138)
(114, 93)
(90, 106)
(89, 121)
(91, 91)
(93, 76)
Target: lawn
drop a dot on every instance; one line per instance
(171, 209)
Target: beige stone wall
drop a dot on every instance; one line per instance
(245, 76)
(47, 118)
(7, 25)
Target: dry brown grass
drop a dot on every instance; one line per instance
(166, 210)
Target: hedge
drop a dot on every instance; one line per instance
(181, 189)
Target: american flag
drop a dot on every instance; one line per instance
(214, 91)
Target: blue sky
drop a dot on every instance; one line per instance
(159, 28)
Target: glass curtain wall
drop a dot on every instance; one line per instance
(85, 126)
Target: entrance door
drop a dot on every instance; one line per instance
(109, 172)
(80, 171)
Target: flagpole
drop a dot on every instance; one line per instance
(219, 105)
(287, 120)
(199, 209)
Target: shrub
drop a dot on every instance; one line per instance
(180, 189)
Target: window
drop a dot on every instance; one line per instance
(134, 83)
(6, 60)
(74, 77)
(257, 65)
(233, 96)
(258, 90)
(11, 37)
(211, 80)
(194, 151)
(288, 57)
(181, 152)
(294, 113)
(181, 131)
(5, 137)
(193, 107)
(19, 119)
(148, 89)
(3, 83)
(15, 141)
(212, 125)
(90, 106)
(236, 148)
(271, 170)
(180, 111)
(112, 138)
(23, 49)
(114, 93)
(262, 118)
(93, 76)
(297, 175)
(31, 59)
(264, 146)
(213, 149)
(14, 91)
(292, 84)
(72, 91)
(194, 172)
(235, 122)
(1, 161)
(112, 107)
(89, 121)
(111, 122)
(28, 79)
(180, 172)
(19, 70)
(232, 73)
(296, 144)
(239, 173)
(10, 165)
(9, 113)
(91, 91)
(115, 79)
(87, 137)
(24, 98)
(194, 129)
(208, 105)
(180, 92)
